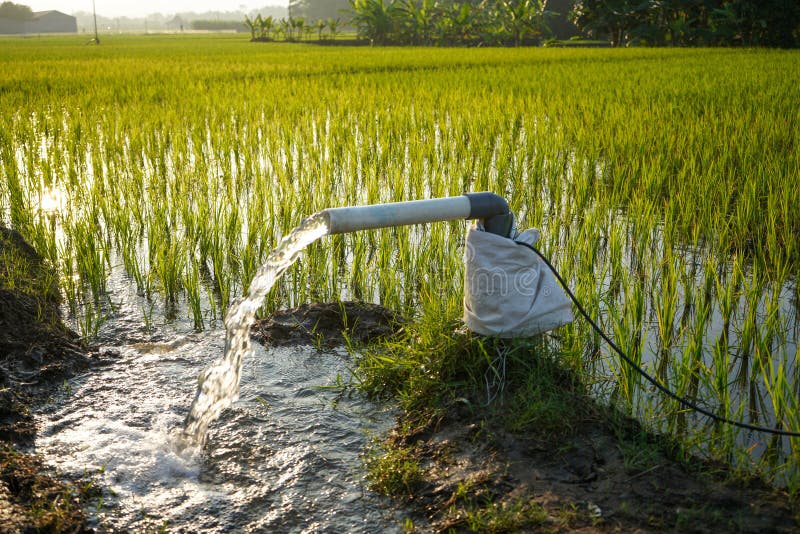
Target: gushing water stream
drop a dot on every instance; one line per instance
(219, 383)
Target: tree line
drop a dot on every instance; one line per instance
(774, 23)
(438, 22)
(413, 22)
(10, 10)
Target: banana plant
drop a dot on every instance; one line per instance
(299, 25)
(321, 24)
(457, 24)
(524, 19)
(374, 19)
(267, 24)
(419, 19)
(251, 25)
(286, 28)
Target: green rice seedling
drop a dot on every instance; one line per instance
(646, 170)
(666, 309)
(90, 320)
(192, 284)
(627, 328)
(89, 258)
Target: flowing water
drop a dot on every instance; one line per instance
(285, 457)
(219, 383)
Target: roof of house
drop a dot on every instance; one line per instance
(38, 14)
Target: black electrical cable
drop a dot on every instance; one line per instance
(652, 380)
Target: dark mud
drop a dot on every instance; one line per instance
(593, 481)
(37, 354)
(328, 325)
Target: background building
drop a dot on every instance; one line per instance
(41, 22)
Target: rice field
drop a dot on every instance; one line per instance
(666, 183)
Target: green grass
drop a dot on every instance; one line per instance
(664, 180)
(393, 471)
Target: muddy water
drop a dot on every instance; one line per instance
(286, 457)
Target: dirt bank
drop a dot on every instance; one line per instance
(37, 353)
(479, 477)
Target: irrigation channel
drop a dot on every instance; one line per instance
(286, 456)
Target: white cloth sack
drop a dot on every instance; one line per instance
(508, 290)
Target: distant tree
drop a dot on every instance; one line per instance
(286, 28)
(298, 25)
(560, 24)
(768, 22)
(458, 23)
(318, 9)
(691, 22)
(10, 10)
(251, 25)
(321, 24)
(418, 18)
(333, 26)
(524, 19)
(374, 19)
(605, 18)
(267, 24)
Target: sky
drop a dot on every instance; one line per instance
(139, 8)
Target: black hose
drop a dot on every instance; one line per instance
(687, 403)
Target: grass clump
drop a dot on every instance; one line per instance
(497, 517)
(393, 471)
(23, 270)
(34, 502)
(433, 369)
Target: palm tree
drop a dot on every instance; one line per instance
(333, 26)
(320, 28)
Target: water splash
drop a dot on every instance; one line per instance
(218, 384)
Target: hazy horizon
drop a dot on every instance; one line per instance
(140, 8)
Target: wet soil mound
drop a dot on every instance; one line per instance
(36, 349)
(327, 324)
(37, 353)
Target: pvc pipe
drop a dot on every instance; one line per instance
(469, 206)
